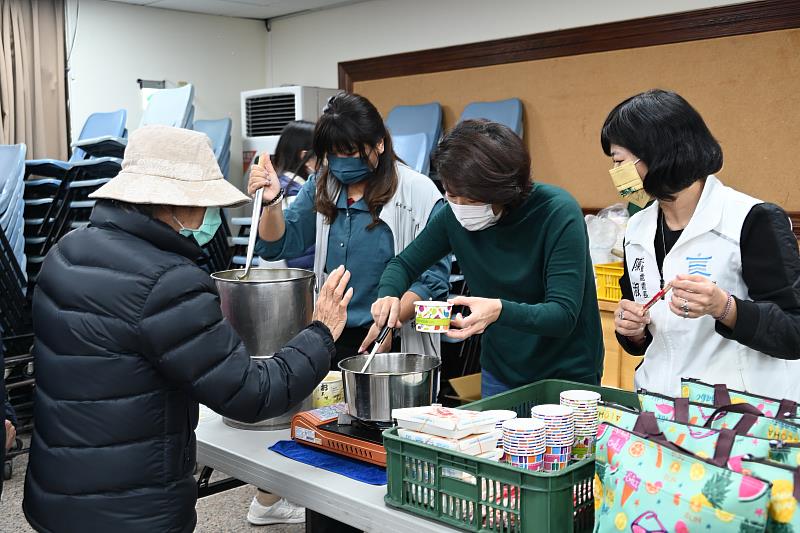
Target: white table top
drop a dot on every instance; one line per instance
(244, 455)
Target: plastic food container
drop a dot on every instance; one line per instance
(433, 317)
(330, 391)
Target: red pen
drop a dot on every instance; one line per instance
(660, 294)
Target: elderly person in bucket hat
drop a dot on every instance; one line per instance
(130, 338)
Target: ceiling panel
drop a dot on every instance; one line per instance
(259, 9)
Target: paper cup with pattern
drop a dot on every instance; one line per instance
(330, 391)
(433, 317)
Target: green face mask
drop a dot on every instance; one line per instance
(207, 230)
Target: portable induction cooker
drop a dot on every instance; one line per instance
(332, 429)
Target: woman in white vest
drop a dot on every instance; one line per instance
(361, 208)
(733, 315)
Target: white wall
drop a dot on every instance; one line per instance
(115, 44)
(306, 49)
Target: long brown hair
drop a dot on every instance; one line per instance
(350, 123)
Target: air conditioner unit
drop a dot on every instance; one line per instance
(266, 111)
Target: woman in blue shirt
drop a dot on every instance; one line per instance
(360, 209)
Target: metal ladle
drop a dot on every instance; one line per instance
(254, 219)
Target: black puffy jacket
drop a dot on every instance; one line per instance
(129, 339)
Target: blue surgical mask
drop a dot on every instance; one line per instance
(211, 223)
(348, 170)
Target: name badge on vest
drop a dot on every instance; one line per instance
(644, 276)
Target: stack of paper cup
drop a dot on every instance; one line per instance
(524, 443)
(501, 415)
(560, 434)
(584, 405)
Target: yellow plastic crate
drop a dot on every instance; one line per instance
(608, 275)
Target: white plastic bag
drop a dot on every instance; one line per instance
(602, 236)
(606, 233)
(617, 213)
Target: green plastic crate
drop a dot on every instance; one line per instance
(472, 494)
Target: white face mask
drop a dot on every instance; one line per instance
(475, 217)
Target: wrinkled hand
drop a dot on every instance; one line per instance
(630, 319)
(385, 311)
(264, 176)
(11, 434)
(699, 295)
(332, 302)
(369, 341)
(483, 313)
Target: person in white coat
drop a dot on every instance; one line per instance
(733, 315)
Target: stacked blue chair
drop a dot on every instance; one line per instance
(15, 315)
(219, 131)
(15, 320)
(56, 206)
(50, 184)
(218, 250)
(12, 201)
(416, 119)
(414, 150)
(506, 112)
(96, 126)
(168, 107)
(189, 123)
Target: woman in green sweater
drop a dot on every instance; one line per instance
(524, 252)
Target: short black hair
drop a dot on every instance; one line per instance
(668, 135)
(484, 161)
(297, 136)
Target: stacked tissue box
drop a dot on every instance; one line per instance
(469, 432)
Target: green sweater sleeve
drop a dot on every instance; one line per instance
(430, 246)
(566, 246)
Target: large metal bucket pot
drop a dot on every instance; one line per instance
(267, 309)
(393, 380)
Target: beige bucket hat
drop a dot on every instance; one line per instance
(171, 166)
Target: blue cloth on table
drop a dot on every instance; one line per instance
(352, 468)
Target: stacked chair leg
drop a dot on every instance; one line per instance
(15, 316)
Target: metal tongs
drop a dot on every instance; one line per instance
(381, 337)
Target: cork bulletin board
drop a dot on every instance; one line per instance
(739, 65)
(746, 87)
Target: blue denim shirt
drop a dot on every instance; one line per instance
(364, 252)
